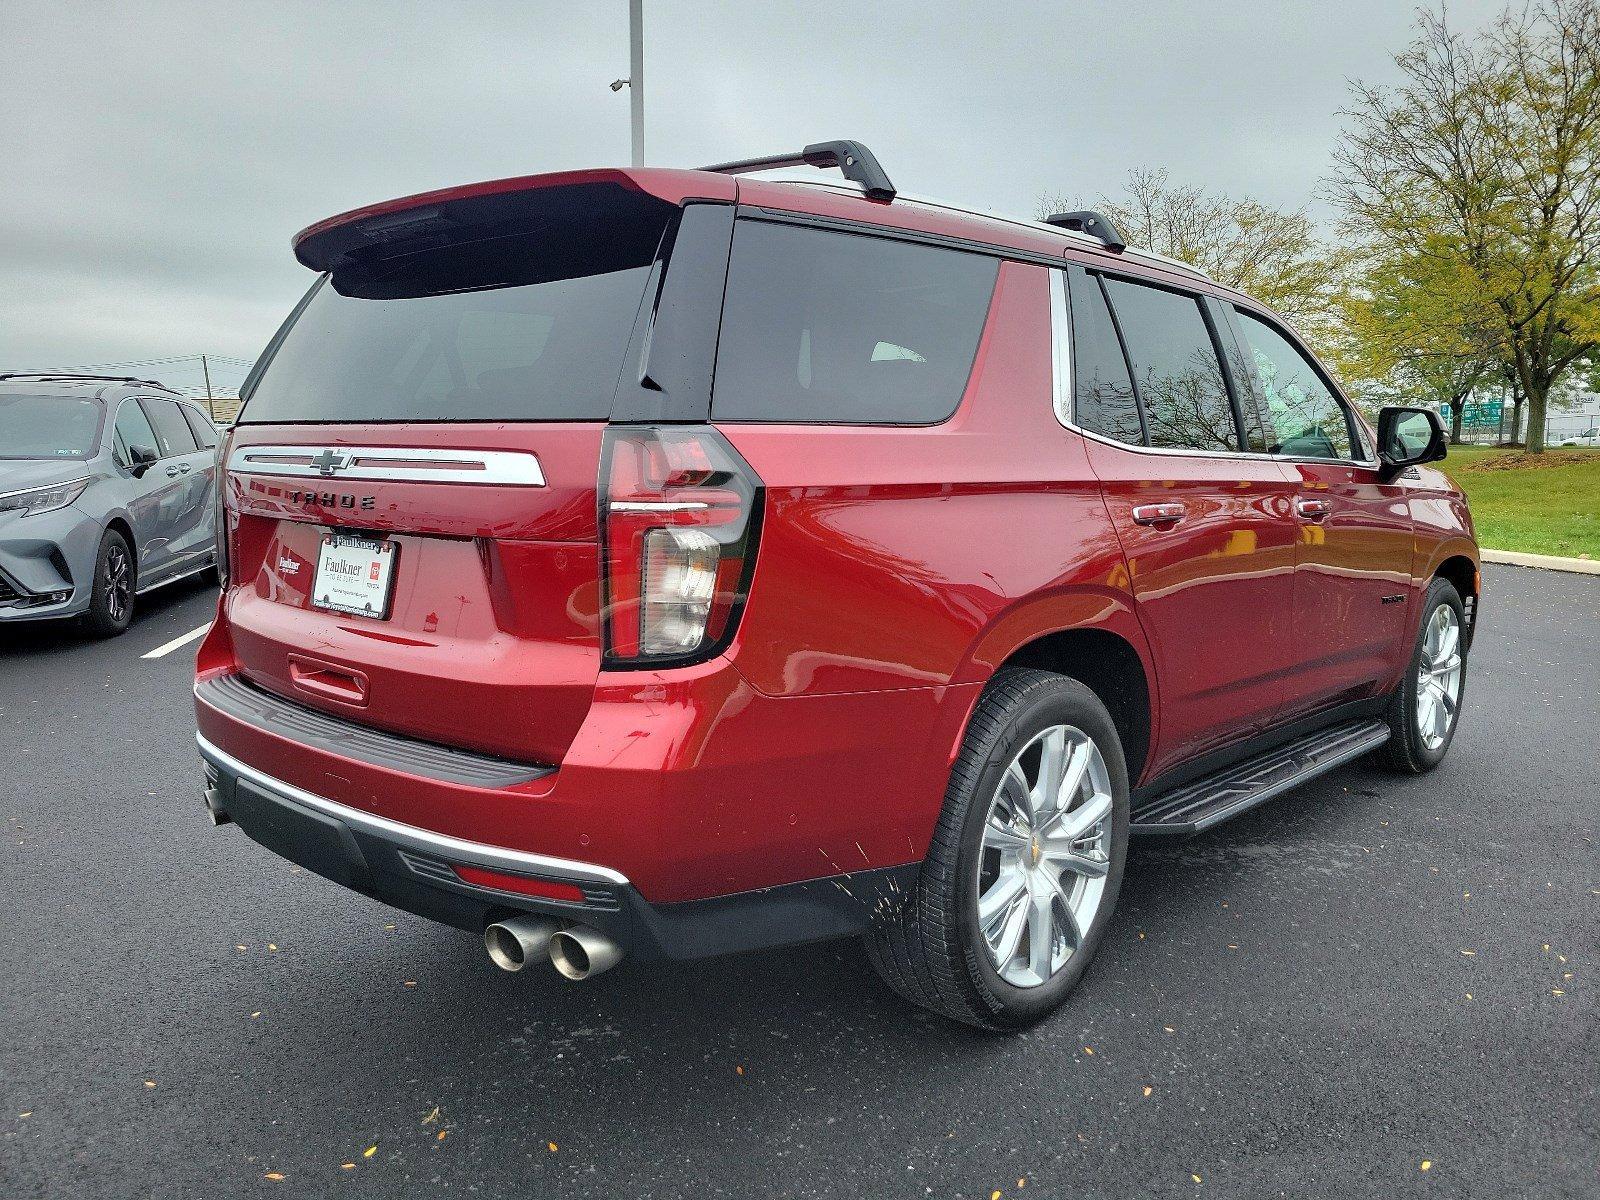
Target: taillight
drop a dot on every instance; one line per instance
(221, 548)
(679, 514)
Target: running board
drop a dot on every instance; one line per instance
(1205, 802)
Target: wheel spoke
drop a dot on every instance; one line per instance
(1015, 792)
(1052, 767)
(1001, 893)
(1011, 930)
(1078, 863)
(1449, 636)
(1078, 822)
(1041, 932)
(1073, 929)
(999, 837)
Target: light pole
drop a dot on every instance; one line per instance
(635, 80)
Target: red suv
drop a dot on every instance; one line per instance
(666, 563)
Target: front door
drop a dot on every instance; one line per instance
(1353, 557)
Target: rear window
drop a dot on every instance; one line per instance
(503, 308)
(841, 328)
(48, 427)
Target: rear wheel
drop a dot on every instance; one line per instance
(111, 603)
(1427, 705)
(1026, 860)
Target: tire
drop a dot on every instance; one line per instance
(930, 948)
(1413, 749)
(111, 603)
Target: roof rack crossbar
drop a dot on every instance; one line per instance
(1096, 225)
(45, 376)
(855, 162)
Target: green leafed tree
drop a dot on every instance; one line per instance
(1480, 170)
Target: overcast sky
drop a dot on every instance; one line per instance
(158, 157)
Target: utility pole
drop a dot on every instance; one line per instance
(636, 76)
(206, 371)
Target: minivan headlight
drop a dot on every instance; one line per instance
(33, 501)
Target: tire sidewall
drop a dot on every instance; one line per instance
(1440, 591)
(1067, 702)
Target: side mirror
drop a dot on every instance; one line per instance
(143, 458)
(1408, 437)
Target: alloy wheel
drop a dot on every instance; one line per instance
(1045, 855)
(119, 582)
(1439, 677)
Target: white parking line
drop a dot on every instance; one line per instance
(177, 643)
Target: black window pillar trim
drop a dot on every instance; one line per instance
(680, 321)
(1249, 404)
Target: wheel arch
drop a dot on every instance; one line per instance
(1461, 570)
(1088, 634)
(123, 526)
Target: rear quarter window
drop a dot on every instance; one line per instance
(826, 327)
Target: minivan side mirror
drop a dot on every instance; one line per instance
(1408, 437)
(142, 458)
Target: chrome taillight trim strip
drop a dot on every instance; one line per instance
(411, 464)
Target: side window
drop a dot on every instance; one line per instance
(1186, 402)
(844, 328)
(200, 425)
(133, 429)
(1103, 390)
(1304, 417)
(172, 431)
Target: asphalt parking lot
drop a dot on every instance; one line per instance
(1374, 986)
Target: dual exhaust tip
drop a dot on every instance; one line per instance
(575, 950)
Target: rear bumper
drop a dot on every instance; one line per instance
(413, 869)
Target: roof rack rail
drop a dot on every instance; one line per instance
(853, 159)
(1096, 225)
(47, 376)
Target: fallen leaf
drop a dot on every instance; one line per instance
(254, 1015)
(1232, 946)
(431, 1117)
(272, 945)
(347, 1166)
(149, 1083)
(1545, 947)
(1022, 1183)
(739, 1070)
(1196, 1178)
(411, 983)
(1088, 1049)
(241, 949)
(1469, 995)
(370, 1151)
(1148, 1090)
(1426, 1164)
(1557, 992)
(995, 1195)
(442, 1132)
(553, 1147)
(1470, 953)
(25, 1116)
(1169, 1029)
(275, 1176)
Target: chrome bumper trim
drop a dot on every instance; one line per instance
(455, 849)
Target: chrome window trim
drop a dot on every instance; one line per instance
(1064, 401)
(451, 848)
(504, 468)
(1061, 348)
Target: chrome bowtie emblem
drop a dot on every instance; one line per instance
(331, 460)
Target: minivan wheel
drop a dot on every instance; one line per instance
(1427, 705)
(1026, 860)
(111, 603)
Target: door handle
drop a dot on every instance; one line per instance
(184, 467)
(1159, 514)
(172, 472)
(1311, 509)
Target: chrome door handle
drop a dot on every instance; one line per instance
(172, 472)
(1312, 510)
(184, 467)
(1158, 514)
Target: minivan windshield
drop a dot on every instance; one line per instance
(549, 350)
(49, 426)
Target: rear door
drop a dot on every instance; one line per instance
(1353, 554)
(439, 402)
(1206, 526)
(186, 518)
